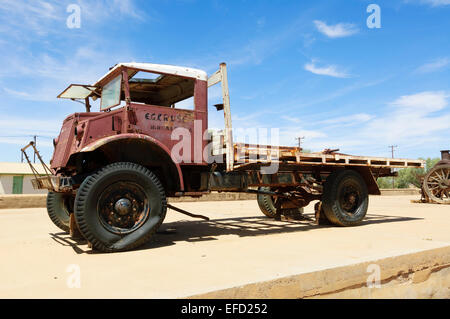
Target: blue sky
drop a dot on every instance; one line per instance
(309, 68)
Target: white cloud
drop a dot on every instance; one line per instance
(22, 141)
(291, 119)
(45, 74)
(24, 20)
(424, 102)
(48, 74)
(103, 10)
(350, 119)
(432, 3)
(18, 130)
(330, 70)
(13, 125)
(339, 30)
(433, 66)
(437, 3)
(409, 121)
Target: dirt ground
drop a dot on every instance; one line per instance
(189, 257)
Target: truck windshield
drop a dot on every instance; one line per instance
(111, 93)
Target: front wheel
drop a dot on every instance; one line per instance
(59, 206)
(120, 207)
(345, 198)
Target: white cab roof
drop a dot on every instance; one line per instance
(161, 68)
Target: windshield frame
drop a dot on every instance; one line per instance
(118, 92)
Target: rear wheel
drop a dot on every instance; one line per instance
(59, 206)
(345, 198)
(120, 207)
(266, 203)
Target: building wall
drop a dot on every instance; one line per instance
(28, 187)
(6, 182)
(6, 185)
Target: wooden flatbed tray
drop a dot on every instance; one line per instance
(245, 154)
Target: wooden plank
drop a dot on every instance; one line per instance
(215, 78)
(227, 115)
(291, 155)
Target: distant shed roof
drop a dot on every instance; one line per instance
(9, 168)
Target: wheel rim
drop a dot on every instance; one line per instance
(123, 207)
(350, 198)
(437, 184)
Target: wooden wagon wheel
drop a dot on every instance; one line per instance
(437, 184)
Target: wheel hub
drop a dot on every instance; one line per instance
(349, 199)
(444, 184)
(123, 206)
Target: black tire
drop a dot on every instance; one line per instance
(266, 203)
(99, 218)
(345, 198)
(59, 207)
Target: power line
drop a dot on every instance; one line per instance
(392, 147)
(299, 139)
(34, 153)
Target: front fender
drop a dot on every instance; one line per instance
(134, 136)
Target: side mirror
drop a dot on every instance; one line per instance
(219, 107)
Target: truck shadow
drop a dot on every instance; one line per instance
(199, 231)
(64, 239)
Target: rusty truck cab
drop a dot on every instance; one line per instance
(141, 106)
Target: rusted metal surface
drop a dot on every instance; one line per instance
(436, 183)
(74, 231)
(123, 207)
(182, 211)
(319, 214)
(47, 179)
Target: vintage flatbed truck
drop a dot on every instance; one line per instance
(112, 170)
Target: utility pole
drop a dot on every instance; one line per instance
(299, 139)
(392, 147)
(34, 155)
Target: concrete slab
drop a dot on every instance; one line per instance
(238, 247)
